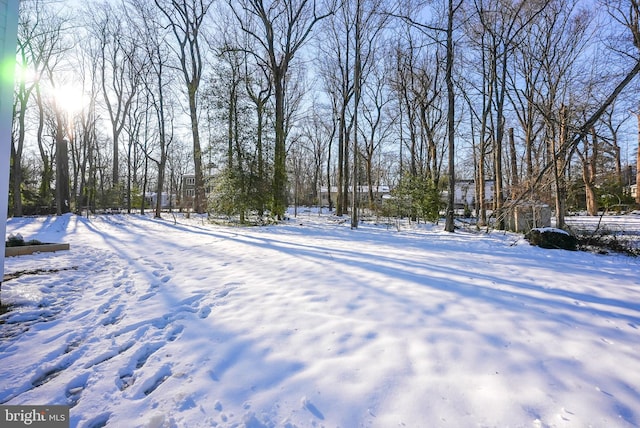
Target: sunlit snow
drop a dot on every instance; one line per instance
(156, 323)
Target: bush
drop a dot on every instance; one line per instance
(605, 241)
(15, 240)
(418, 198)
(18, 241)
(552, 239)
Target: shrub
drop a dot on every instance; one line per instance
(418, 198)
(15, 240)
(18, 241)
(552, 239)
(604, 241)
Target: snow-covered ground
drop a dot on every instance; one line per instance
(619, 224)
(149, 323)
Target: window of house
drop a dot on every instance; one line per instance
(191, 181)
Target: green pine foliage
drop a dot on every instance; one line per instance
(238, 194)
(227, 197)
(418, 198)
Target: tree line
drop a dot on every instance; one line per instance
(265, 103)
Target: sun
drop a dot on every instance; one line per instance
(69, 98)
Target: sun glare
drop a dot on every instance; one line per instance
(69, 98)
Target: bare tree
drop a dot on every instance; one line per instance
(316, 139)
(418, 81)
(369, 23)
(336, 65)
(502, 21)
(403, 82)
(152, 68)
(135, 121)
(84, 133)
(524, 77)
(61, 135)
(259, 89)
(613, 121)
(115, 52)
(280, 28)
(589, 159)
(451, 114)
(28, 29)
(186, 19)
(40, 46)
(377, 123)
(625, 13)
(435, 32)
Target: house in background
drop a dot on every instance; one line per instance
(379, 192)
(189, 189)
(166, 200)
(465, 194)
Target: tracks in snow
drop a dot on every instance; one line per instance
(97, 342)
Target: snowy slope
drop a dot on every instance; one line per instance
(154, 324)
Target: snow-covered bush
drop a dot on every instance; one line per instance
(15, 240)
(548, 237)
(18, 241)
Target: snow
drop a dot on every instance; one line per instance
(155, 323)
(551, 230)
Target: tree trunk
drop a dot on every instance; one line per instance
(130, 144)
(357, 85)
(261, 178)
(63, 195)
(16, 180)
(590, 193)
(144, 184)
(47, 170)
(589, 162)
(16, 153)
(341, 166)
(449, 223)
(480, 187)
(487, 96)
(498, 148)
(528, 142)
(159, 106)
(160, 185)
(330, 199)
(560, 194)
(230, 122)
(369, 167)
(187, 32)
(279, 162)
(116, 158)
(514, 164)
(345, 172)
(559, 155)
(200, 197)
